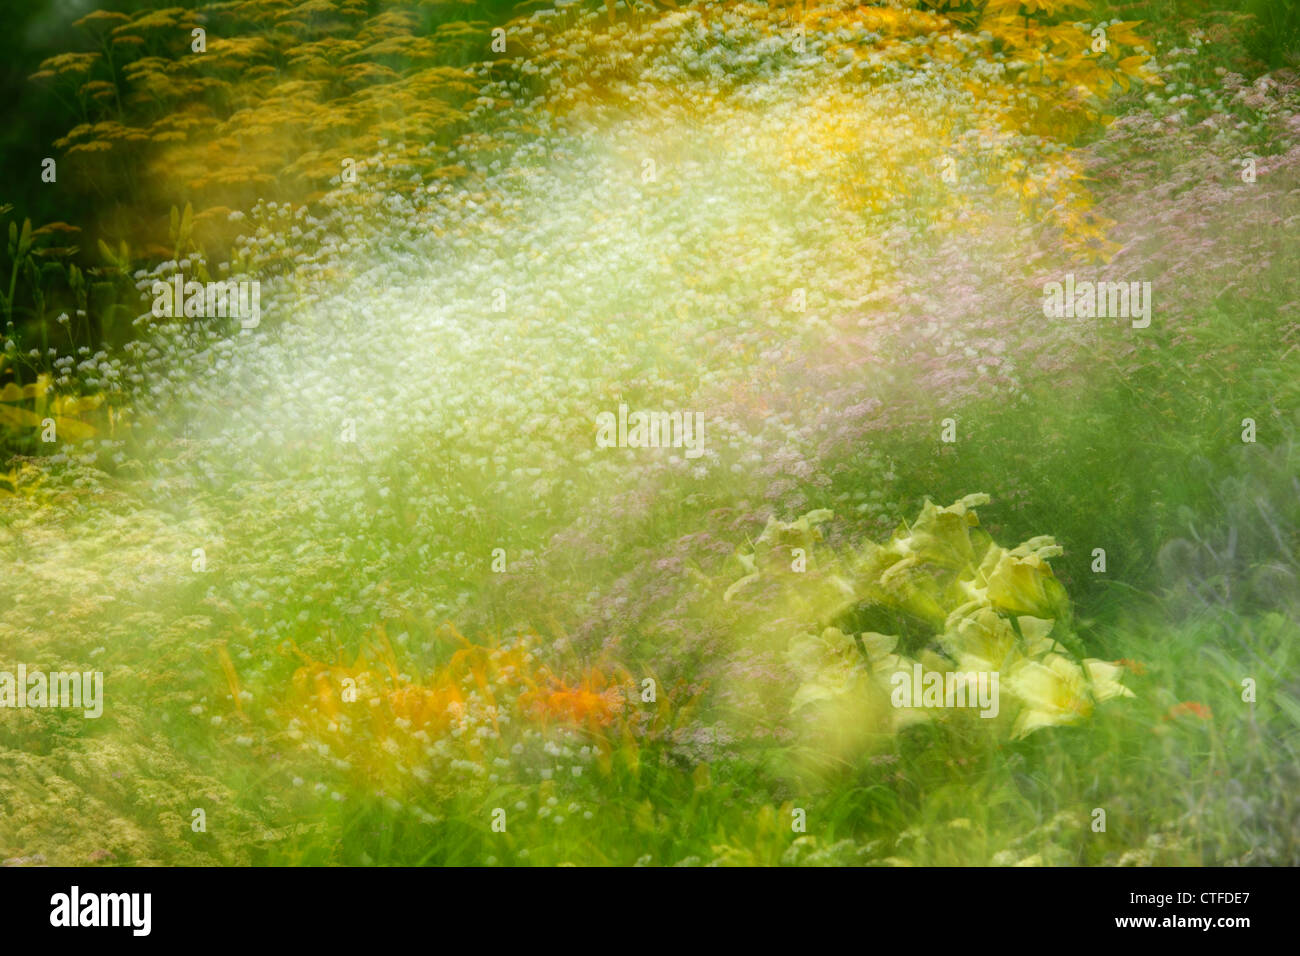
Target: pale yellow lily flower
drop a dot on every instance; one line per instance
(1058, 692)
(1021, 581)
(983, 636)
(1104, 678)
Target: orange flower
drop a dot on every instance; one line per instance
(1189, 707)
(590, 702)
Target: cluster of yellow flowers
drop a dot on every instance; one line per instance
(987, 617)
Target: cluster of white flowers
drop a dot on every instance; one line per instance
(638, 227)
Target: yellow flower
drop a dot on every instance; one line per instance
(1104, 679)
(852, 691)
(1037, 634)
(1057, 691)
(1021, 581)
(831, 664)
(1053, 692)
(942, 535)
(982, 638)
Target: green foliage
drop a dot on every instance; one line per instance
(54, 312)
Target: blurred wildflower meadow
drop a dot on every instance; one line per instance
(364, 586)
